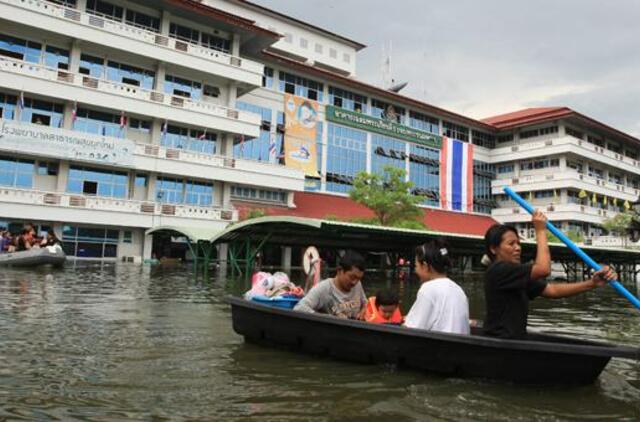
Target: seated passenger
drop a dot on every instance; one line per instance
(5, 241)
(23, 241)
(342, 295)
(440, 305)
(384, 308)
(50, 240)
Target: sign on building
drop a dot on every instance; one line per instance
(301, 121)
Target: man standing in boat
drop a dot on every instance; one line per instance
(342, 295)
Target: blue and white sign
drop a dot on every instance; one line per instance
(65, 144)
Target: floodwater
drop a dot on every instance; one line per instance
(124, 342)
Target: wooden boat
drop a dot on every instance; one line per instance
(540, 359)
(50, 255)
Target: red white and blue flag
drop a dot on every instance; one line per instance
(273, 149)
(456, 175)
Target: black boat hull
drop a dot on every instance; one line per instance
(543, 359)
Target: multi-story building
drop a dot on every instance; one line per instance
(122, 116)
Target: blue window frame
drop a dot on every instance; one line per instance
(20, 49)
(189, 139)
(98, 123)
(423, 122)
(8, 106)
(387, 151)
(199, 193)
(42, 113)
(181, 87)
(130, 75)
(347, 100)
(90, 242)
(90, 181)
(346, 156)
(92, 66)
(178, 191)
(267, 77)
(424, 172)
(383, 110)
(300, 86)
(16, 173)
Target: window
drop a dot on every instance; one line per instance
(572, 132)
(42, 113)
(483, 139)
(194, 36)
(130, 75)
(182, 87)
(143, 126)
(56, 58)
(300, 86)
(346, 58)
(177, 191)
(104, 9)
(538, 132)
(614, 147)
(304, 43)
(539, 164)
(16, 173)
(196, 140)
(8, 106)
(288, 37)
(596, 140)
(92, 66)
(90, 242)
(455, 131)
(98, 123)
(333, 53)
(211, 91)
(383, 110)
(423, 122)
(20, 49)
(346, 156)
(347, 100)
(92, 181)
(503, 139)
(127, 236)
(267, 77)
(424, 172)
(255, 194)
(319, 48)
(47, 169)
(387, 151)
(143, 21)
(505, 168)
(141, 180)
(483, 174)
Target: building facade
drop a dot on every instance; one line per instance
(117, 117)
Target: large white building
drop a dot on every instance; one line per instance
(117, 117)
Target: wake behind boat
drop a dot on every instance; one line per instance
(48, 255)
(541, 359)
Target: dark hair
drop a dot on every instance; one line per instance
(493, 237)
(351, 259)
(434, 253)
(387, 297)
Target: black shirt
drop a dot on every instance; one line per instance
(508, 288)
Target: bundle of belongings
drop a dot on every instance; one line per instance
(272, 286)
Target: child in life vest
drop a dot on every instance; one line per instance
(384, 308)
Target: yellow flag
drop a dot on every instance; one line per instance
(530, 196)
(582, 194)
(605, 201)
(615, 202)
(594, 199)
(627, 205)
(555, 194)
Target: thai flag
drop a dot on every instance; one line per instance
(74, 112)
(21, 101)
(123, 120)
(456, 175)
(165, 128)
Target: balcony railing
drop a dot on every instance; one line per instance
(99, 203)
(550, 209)
(571, 176)
(134, 32)
(61, 76)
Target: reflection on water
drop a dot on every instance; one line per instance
(128, 342)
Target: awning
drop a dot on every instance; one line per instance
(194, 234)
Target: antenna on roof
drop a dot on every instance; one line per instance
(388, 82)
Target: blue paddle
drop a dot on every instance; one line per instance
(586, 258)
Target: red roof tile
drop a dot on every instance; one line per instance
(526, 116)
(319, 205)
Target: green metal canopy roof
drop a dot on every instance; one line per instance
(299, 231)
(194, 234)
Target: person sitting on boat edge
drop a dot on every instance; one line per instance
(384, 308)
(441, 305)
(342, 295)
(509, 284)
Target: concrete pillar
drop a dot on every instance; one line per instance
(407, 163)
(74, 57)
(563, 163)
(67, 121)
(63, 176)
(233, 95)
(156, 131)
(369, 153)
(165, 22)
(561, 129)
(151, 189)
(226, 145)
(226, 195)
(286, 258)
(161, 73)
(81, 5)
(325, 154)
(147, 246)
(291, 199)
(223, 252)
(235, 45)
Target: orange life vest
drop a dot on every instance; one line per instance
(372, 314)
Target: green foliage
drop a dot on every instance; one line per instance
(573, 235)
(619, 224)
(387, 195)
(255, 213)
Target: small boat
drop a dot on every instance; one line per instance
(541, 359)
(48, 255)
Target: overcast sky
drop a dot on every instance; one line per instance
(486, 57)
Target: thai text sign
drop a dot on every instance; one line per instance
(381, 126)
(65, 144)
(301, 121)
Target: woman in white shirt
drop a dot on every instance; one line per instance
(440, 305)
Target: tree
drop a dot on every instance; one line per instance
(389, 196)
(619, 225)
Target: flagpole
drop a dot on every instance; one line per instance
(586, 258)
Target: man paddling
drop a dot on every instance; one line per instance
(342, 295)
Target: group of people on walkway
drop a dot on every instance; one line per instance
(25, 240)
(441, 304)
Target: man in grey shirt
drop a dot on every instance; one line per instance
(342, 295)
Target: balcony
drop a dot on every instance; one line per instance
(511, 213)
(84, 26)
(55, 206)
(565, 179)
(69, 86)
(563, 145)
(44, 141)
